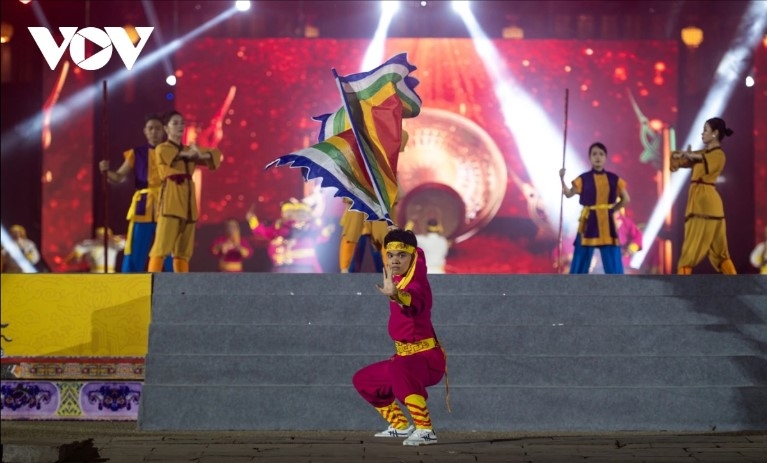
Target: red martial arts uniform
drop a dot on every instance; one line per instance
(419, 363)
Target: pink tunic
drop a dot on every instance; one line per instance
(401, 376)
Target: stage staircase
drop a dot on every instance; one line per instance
(550, 353)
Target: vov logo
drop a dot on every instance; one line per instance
(75, 40)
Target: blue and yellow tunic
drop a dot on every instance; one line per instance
(599, 192)
(147, 178)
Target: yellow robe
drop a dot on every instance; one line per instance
(178, 203)
(705, 231)
(178, 197)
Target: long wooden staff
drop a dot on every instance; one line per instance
(562, 195)
(105, 178)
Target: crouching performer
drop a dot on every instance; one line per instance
(420, 361)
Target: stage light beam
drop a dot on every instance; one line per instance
(389, 8)
(534, 132)
(462, 7)
(13, 250)
(375, 51)
(87, 96)
(151, 15)
(40, 15)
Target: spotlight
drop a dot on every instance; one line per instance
(169, 96)
(375, 51)
(749, 81)
(388, 8)
(461, 7)
(170, 80)
(423, 2)
(242, 5)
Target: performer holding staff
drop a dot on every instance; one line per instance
(601, 192)
(142, 218)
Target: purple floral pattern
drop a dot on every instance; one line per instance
(18, 396)
(112, 397)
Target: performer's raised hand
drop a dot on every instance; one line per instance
(688, 152)
(388, 288)
(194, 151)
(568, 192)
(104, 166)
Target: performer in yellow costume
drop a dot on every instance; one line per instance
(177, 215)
(354, 228)
(705, 231)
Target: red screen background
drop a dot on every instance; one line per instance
(280, 83)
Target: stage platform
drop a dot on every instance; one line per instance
(120, 442)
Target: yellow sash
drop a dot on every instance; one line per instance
(410, 348)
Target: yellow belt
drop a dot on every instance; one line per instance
(410, 348)
(587, 209)
(136, 199)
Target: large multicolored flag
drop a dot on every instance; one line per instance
(336, 122)
(358, 155)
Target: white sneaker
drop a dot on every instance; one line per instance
(394, 432)
(421, 437)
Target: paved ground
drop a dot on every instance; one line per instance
(51, 442)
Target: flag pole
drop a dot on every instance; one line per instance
(105, 178)
(562, 195)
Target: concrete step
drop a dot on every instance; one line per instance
(466, 370)
(474, 408)
(535, 285)
(273, 309)
(547, 353)
(653, 340)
